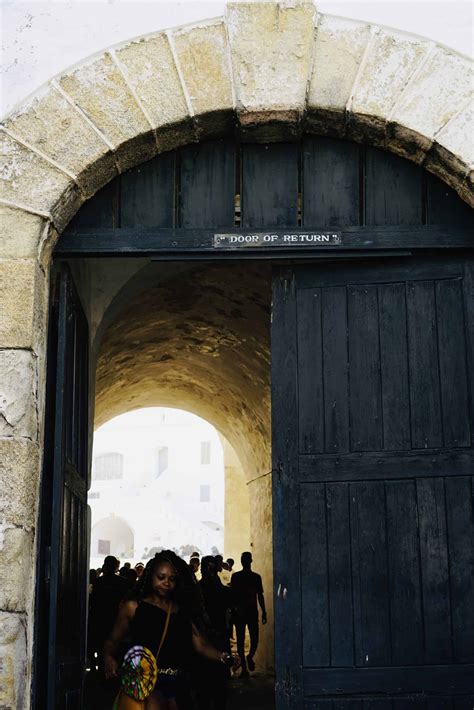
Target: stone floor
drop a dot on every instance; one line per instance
(254, 693)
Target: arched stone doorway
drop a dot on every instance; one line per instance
(112, 536)
(393, 90)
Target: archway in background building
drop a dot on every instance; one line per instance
(111, 536)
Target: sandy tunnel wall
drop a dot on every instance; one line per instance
(327, 74)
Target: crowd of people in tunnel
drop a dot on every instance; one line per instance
(185, 613)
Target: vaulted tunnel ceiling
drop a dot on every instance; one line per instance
(197, 341)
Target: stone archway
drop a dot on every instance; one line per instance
(272, 69)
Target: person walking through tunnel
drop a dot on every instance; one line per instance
(211, 683)
(247, 588)
(166, 614)
(107, 593)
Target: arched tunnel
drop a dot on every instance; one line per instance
(195, 337)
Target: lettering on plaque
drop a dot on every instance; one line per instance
(278, 239)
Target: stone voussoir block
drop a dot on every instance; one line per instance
(452, 156)
(18, 394)
(152, 73)
(339, 47)
(271, 50)
(53, 126)
(203, 55)
(22, 304)
(16, 550)
(20, 233)
(26, 179)
(440, 87)
(100, 89)
(391, 60)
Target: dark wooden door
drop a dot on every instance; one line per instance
(62, 594)
(373, 518)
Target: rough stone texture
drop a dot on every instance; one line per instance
(100, 90)
(16, 546)
(22, 303)
(12, 661)
(203, 56)
(50, 124)
(237, 507)
(271, 48)
(442, 86)
(450, 150)
(260, 494)
(19, 462)
(18, 416)
(205, 350)
(151, 72)
(29, 180)
(391, 60)
(20, 233)
(338, 52)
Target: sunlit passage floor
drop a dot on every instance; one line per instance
(254, 693)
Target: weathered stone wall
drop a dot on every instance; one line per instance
(237, 507)
(272, 70)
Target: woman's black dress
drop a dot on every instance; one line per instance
(174, 661)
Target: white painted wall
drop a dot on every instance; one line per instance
(161, 510)
(41, 39)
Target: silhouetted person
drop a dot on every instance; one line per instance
(246, 587)
(108, 591)
(194, 567)
(139, 567)
(211, 681)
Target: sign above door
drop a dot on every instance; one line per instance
(276, 239)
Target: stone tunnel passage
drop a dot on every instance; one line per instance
(198, 339)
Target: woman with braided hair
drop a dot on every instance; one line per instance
(167, 613)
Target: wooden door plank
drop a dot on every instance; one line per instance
(394, 367)
(386, 466)
(269, 185)
(147, 196)
(310, 372)
(339, 575)
(207, 185)
(444, 206)
(330, 181)
(370, 574)
(335, 359)
(393, 189)
(459, 508)
(366, 425)
(434, 573)
(424, 369)
(285, 492)
(100, 211)
(314, 576)
(406, 616)
(452, 363)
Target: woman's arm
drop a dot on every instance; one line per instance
(118, 633)
(207, 650)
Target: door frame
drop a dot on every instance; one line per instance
(198, 245)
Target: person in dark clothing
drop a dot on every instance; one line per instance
(246, 587)
(107, 593)
(211, 682)
(166, 587)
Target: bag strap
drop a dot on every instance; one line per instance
(165, 631)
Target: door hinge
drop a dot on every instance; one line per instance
(47, 564)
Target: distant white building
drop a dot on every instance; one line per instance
(157, 481)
